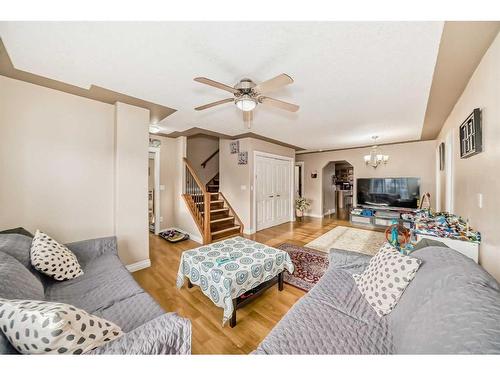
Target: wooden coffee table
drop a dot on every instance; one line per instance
(233, 272)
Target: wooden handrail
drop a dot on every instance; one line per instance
(204, 164)
(234, 212)
(195, 176)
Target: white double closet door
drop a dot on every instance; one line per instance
(273, 181)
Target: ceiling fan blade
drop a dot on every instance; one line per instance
(273, 83)
(279, 103)
(216, 84)
(218, 102)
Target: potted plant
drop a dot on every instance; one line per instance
(301, 204)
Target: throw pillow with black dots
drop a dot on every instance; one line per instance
(39, 327)
(53, 259)
(385, 279)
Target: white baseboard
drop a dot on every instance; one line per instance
(192, 236)
(139, 265)
(314, 215)
(249, 231)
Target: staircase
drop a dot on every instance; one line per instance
(211, 211)
(213, 185)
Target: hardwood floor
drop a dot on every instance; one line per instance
(255, 320)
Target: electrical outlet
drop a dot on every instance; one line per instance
(162, 187)
(161, 219)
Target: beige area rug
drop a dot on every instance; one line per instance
(351, 239)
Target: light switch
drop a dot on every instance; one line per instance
(480, 200)
(162, 187)
(243, 187)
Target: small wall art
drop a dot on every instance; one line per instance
(471, 140)
(243, 157)
(234, 147)
(441, 156)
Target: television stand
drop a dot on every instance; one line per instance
(381, 217)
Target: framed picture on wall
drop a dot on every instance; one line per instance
(243, 157)
(471, 141)
(441, 156)
(234, 147)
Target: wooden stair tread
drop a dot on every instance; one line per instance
(236, 227)
(217, 210)
(221, 220)
(217, 201)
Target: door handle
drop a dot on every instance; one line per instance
(278, 195)
(271, 196)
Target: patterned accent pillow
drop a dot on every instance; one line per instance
(53, 259)
(386, 278)
(38, 327)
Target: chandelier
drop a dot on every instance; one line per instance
(375, 158)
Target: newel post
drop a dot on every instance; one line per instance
(206, 224)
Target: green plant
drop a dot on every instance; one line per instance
(302, 204)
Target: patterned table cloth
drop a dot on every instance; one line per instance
(251, 264)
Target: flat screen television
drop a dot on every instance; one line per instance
(388, 192)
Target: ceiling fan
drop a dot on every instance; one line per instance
(247, 94)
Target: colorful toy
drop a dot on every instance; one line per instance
(445, 225)
(398, 236)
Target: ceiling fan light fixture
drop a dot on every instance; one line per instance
(246, 103)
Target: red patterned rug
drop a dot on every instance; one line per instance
(309, 264)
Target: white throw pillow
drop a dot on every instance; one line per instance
(53, 259)
(386, 278)
(38, 327)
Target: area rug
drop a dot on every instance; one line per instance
(309, 265)
(351, 239)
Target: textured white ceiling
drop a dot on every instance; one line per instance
(352, 79)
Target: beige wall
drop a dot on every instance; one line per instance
(173, 210)
(236, 181)
(167, 170)
(59, 155)
(182, 217)
(56, 162)
(480, 174)
(415, 159)
(131, 182)
(198, 149)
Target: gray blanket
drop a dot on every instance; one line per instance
(167, 334)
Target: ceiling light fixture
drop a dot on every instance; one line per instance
(245, 103)
(375, 158)
(154, 128)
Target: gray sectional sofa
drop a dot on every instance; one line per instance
(106, 289)
(452, 306)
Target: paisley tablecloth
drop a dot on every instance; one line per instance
(251, 264)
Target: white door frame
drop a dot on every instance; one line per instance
(156, 152)
(292, 192)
